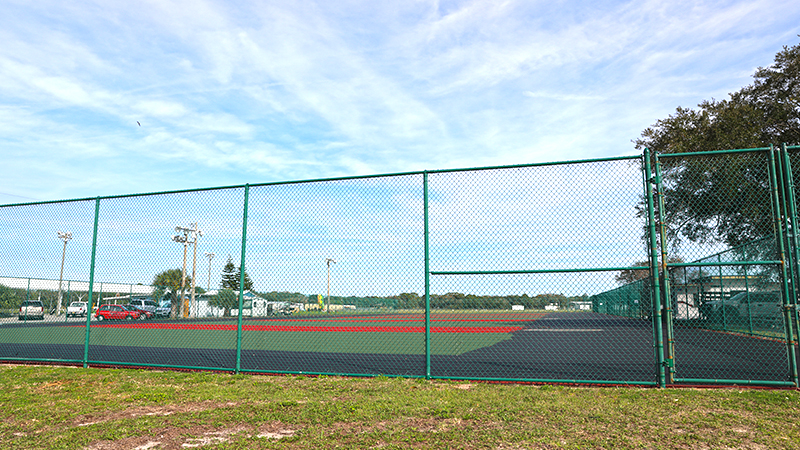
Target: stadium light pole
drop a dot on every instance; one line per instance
(328, 261)
(210, 256)
(66, 237)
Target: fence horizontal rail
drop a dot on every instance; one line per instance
(534, 271)
(726, 263)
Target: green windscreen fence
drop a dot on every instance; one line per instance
(631, 300)
(645, 270)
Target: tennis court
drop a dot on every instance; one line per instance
(561, 346)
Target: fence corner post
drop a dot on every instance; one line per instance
(91, 284)
(654, 274)
(238, 367)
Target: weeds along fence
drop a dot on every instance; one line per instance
(566, 272)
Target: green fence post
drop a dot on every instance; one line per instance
(241, 282)
(91, 285)
(788, 331)
(426, 232)
(654, 275)
(665, 286)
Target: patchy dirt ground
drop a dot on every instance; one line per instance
(132, 413)
(197, 437)
(179, 438)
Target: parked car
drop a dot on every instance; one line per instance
(115, 312)
(77, 309)
(758, 305)
(144, 304)
(164, 309)
(31, 309)
(143, 314)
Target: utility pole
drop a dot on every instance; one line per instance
(190, 236)
(66, 238)
(328, 261)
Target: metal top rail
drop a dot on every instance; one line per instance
(713, 152)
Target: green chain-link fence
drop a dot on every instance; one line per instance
(564, 272)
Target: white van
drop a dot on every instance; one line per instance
(147, 305)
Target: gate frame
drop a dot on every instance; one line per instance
(780, 192)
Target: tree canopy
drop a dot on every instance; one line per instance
(231, 276)
(727, 201)
(9, 298)
(225, 299)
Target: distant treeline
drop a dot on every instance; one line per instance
(457, 300)
(12, 298)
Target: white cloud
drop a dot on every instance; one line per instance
(270, 91)
(160, 108)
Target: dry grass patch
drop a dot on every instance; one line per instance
(148, 410)
(196, 437)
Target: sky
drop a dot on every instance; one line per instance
(104, 98)
(108, 98)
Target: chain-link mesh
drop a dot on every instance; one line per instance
(518, 255)
(161, 240)
(352, 247)
(720, 229)
(30, 265)
(541, 273)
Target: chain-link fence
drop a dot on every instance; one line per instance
(565, 272)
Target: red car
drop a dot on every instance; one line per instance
(115, 312)
(143, 313)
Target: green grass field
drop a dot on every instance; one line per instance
(74, 408)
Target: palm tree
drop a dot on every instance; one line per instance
(171, 280)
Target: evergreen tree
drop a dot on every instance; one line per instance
(231, 276)
(248, 283)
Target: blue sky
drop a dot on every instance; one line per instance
(229, 93)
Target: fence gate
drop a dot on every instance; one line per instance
(724, 239)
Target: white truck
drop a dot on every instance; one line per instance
(76, 309)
